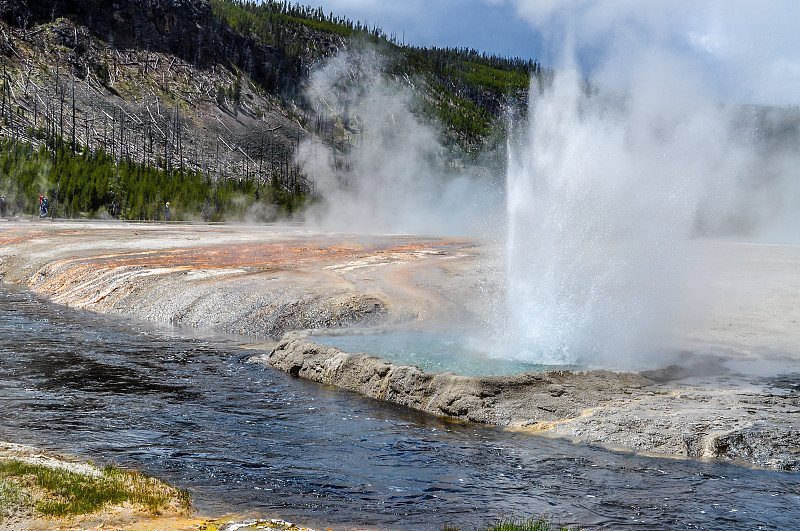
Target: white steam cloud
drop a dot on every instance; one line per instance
(602, 194)
(389, 174)
(607, 180)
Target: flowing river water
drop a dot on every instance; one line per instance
(250, 440)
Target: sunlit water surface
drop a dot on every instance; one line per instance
(247, 439)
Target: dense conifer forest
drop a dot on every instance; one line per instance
(93, 184)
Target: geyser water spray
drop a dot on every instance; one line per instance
(602, 192)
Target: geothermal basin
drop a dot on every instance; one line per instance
(726, 387)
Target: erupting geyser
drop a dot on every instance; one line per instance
(602, 192)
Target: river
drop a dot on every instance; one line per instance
(250, 440)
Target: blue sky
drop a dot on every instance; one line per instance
(493, 27)
(744, 50)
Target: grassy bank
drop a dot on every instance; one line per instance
(37, 488)
(534, 524)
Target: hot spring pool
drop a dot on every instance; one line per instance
(434, 352)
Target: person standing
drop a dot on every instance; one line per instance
(43, 206)
(166, 212)
(3, 207)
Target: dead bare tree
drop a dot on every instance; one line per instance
(73, 106)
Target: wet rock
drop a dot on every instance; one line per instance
(590, 406)
(501, 400)
(761, 445)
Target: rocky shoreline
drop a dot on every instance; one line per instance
(647, 412)
(275, 282)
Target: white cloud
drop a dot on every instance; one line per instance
(752, 47)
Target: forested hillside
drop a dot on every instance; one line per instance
(116, 109)
(465, 90)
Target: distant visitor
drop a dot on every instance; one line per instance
(43, 206)
(166, 212)
(3, 206)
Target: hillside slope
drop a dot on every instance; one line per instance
(215, 88)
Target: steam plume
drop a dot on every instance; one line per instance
(390, 173)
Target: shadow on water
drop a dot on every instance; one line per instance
(248, 439)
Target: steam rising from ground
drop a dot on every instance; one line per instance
(392, 177)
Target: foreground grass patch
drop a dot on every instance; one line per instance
(532, 524)
(51, 491)
(13, 499)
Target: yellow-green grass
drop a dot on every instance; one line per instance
(532, 524)
(32, 488)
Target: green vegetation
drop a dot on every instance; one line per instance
(460, 115)
(281, 24)
(462, 88)
(26, 487)
(13, 499)
(88, 184)
(467, 70)
(461, 92)
(534, 524)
